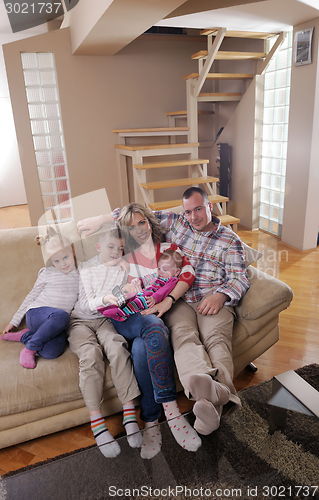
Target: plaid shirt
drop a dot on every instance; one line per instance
(217, 257)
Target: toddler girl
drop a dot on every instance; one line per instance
(169, 268)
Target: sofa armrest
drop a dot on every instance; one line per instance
(265, 293)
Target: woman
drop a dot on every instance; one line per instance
(151, 350)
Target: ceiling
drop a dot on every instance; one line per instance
(262, 15)
(245, 15)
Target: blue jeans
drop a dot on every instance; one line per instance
(153, 361)
(46, 331)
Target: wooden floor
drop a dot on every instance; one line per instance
(298, 344)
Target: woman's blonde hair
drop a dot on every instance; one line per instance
(125, 219)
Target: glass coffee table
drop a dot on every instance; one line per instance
(291, 392)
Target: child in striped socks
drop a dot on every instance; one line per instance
(91, 336)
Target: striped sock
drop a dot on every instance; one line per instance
(104, 439)
(134, 437)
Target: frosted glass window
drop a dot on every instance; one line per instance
(54, 126)
(47, 187)
(48, 202)
(44, 173)
(46, 60)
(29, 61)
(46, 126)
(63, 198)
(40, 142)
(55, 141)
(34, 94)
(31, 77)
(59, 171)
(38, 127)
(36, 111)
(275, 137)
(47, 77)
(50, 94)
(42, 158)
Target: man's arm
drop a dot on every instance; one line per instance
(93, 224)
(236, 282)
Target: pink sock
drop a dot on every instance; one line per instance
(182, 431)
(14, 336)
(27, 358)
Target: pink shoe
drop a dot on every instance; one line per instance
(14, 336)
(27, 358)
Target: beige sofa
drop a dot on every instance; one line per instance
(47, 399)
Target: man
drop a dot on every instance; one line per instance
(201, 325)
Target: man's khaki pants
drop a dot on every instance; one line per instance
(202, 343)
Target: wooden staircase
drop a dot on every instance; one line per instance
(196, 167)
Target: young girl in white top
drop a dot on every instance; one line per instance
(47, 307)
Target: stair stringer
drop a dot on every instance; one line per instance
(240, 134)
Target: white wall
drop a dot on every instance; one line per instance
(301, 210)
(239, 134)
(12, 190)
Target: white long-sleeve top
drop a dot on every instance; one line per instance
(51, 289)
(96, 281)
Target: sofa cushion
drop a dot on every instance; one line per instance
(265, 294)
(53, 381)
(251, 255)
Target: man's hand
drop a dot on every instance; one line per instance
(8, 328)
(212, 303)
(91, 224)
(158, 309)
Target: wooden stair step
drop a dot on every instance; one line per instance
(222, 76)
(240, 34)
(164, 205)
(189, 181)
(151, 131)
(184, 113)
(216, 97)
(227, 220)
(225, 55)
(145, 147)
(164, 164)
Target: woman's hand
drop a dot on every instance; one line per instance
(8, 328)
(158, 309)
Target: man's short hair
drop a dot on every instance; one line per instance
(192, 190)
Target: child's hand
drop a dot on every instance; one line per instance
(136, 282)
(150, 301)
(110, 299)
(124, 265)
(132, 288)
(8, 328)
